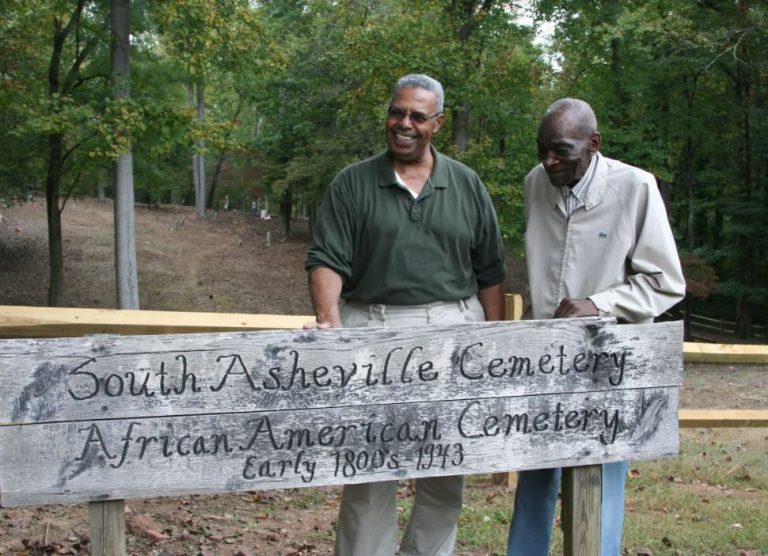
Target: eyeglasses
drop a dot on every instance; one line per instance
(416, 117)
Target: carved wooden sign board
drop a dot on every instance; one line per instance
(100, 418)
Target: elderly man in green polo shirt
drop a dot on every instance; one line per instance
(406, 237)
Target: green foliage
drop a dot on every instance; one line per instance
(679, 89)
(297, 89)
(700, 277)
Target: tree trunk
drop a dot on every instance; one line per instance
(461, 128)
(53, 174)
(286, 205)
(125, 237)
(52, 193)
(311, 218)
(222, 156)
(200, 144)
(195, 166)
(690, 234)
(744, 89)
(744, 318)
(101, 186)
(215, 179)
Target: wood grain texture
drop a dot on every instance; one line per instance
(513, 306)
(128, 458)
(121, 377)
(725, 353)
(107, 526)
(723, 418)
(424, 401)
(40, 322)
(581, 510)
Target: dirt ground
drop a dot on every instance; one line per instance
(229, 262)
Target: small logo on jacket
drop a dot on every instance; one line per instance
(603, 234)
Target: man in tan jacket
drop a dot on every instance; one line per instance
(598, 243)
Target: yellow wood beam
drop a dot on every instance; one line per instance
(723, 418)
(38, 322)
(725, 353)
(513, 306)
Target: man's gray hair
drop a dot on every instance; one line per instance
(578, 108)
(422, 81)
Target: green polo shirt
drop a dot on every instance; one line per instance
(391, 248)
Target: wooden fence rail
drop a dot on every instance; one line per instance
(722, 326)
(63, 322)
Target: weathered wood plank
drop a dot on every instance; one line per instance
(123, 417)
(723, 418)
(107, 521)
(39, 322)
(128, 458)
(121, 377)
(581, 510)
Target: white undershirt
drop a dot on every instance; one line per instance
(405, 186)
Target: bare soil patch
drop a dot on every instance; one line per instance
(229, 262)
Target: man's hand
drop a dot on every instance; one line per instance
(325, 325)
(572, 308)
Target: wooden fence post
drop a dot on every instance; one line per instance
(107, 528)
(581, 486)
(581, 496)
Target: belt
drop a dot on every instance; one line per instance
(390, 308)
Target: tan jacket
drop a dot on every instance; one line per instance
(617, 250)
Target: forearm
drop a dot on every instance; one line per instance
(655, 280)
(492, 300)
(643, 297)
(325, 291)
(656, 285)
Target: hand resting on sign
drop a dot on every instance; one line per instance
(572, 308)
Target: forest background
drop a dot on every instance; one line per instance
(264, 101)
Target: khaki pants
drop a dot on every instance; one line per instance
(367, 524)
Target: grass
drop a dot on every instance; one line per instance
(711, 500)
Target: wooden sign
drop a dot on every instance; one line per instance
(121, 417)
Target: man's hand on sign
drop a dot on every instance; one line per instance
(325, 325)
(572, 308)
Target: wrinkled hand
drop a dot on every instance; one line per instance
(572, 308)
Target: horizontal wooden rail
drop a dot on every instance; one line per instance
(39, 322)
(722, 325)
(725, 353)
(723, 418)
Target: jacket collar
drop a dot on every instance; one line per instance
(595, 191)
